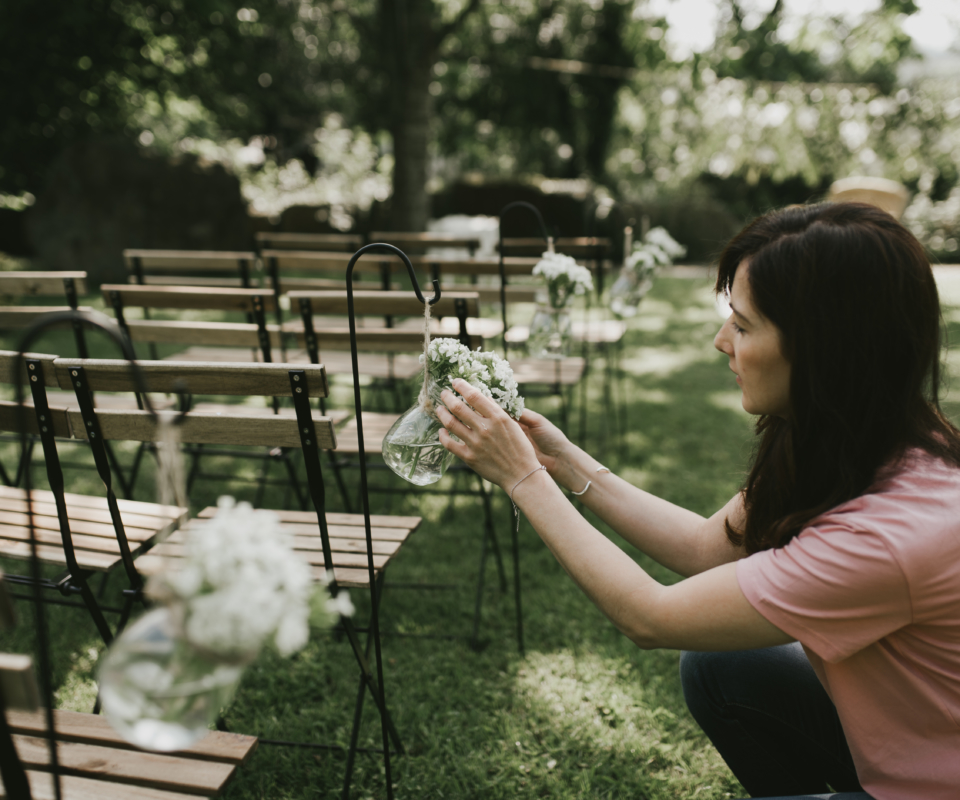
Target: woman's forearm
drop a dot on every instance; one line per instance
(675, 537)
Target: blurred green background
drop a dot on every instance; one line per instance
(194, 124)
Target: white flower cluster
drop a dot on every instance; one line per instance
(484, 370)
(564, 277)
(239, 584)
(657, 249)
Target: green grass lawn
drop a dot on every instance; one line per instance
(582, 713)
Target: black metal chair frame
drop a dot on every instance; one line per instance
(256, 316)
(489, 540)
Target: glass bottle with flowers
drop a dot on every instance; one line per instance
(656, 250)
(238, 587)
(549, 335)
(412, 446)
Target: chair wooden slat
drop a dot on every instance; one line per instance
(13, 419)
(368, 301)
(9, 368)
(73, 726)
(22, 316)
(208, 427)
(383, 340)
(373, 261)
(403, 239)
(74, 788)
(30, 283)
(189, 260)
(267, 380)
(308, 241)
(226, 334)
(135, 768)
(187, 297)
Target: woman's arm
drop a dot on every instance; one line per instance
(705, 612)
(681, 540)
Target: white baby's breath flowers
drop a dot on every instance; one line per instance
(484, 370)
(240, 584)
(657, 249)
(564, 277)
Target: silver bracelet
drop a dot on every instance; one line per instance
(516, 511)
(583, 491)
(521, 481)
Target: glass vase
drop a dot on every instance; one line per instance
(627, 291)
(549, 333)
(412, 446)
(159, 691)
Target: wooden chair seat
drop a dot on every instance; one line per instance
(347, 541)
(92, 531)
(97, 764)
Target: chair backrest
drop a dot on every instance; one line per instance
(255, 303)
(191, 267)
(240, 427)
(419, 241)
(271, 240)
(58, 286)
(389, 304)
(588, 247)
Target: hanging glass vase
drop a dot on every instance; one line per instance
(549, 332)
(627, 291)
(159, 691)
(412, 446)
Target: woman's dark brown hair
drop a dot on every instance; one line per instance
(854, 298)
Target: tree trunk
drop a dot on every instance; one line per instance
(411, 140)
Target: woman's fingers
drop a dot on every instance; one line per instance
(483, 405)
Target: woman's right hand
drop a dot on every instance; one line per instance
(547, 439)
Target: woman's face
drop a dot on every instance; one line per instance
(752, 343)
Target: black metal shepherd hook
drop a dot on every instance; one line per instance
(42, 324)
(503, 275)
(375, 600)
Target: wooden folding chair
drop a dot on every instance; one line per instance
(82, 757)
(53, 289)
(82, 535)
(277, 240)
(191, 268)
(420, 241)
(356, 547)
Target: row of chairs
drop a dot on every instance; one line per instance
(85, 536)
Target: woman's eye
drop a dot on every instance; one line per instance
(737, 328)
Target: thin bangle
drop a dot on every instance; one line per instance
(583, 491)
(516, 511)
(521, 481)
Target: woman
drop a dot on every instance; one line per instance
(821, 605)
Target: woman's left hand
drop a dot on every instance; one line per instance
(491, 442)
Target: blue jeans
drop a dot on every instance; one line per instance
(770, 718)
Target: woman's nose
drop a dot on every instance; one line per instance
(722, 340)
